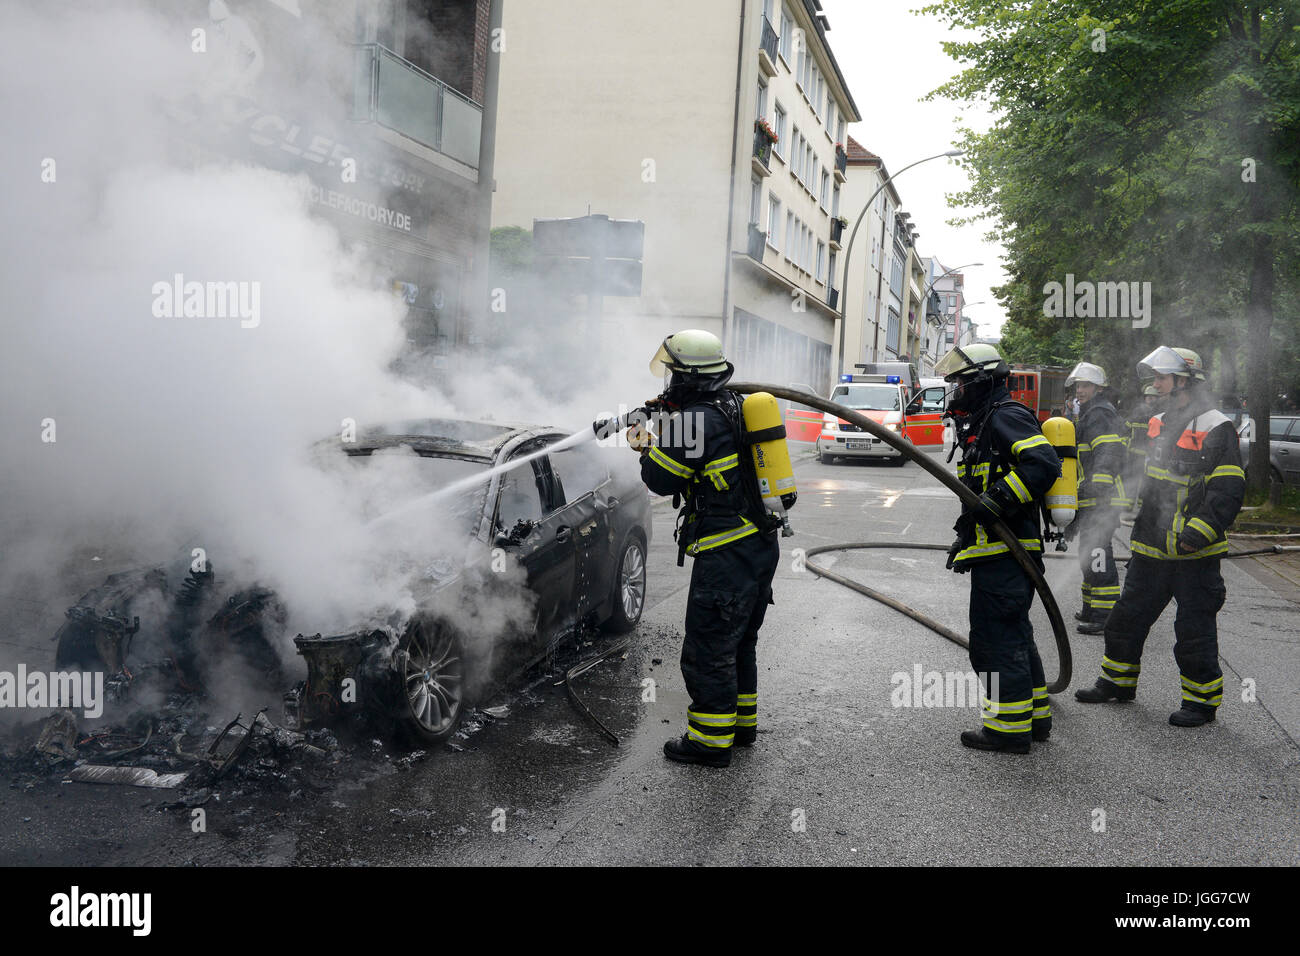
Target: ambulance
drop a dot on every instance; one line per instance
(892, 394)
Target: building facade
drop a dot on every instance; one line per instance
(715, 124)
(380, 105)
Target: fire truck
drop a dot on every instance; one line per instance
(1040, 388)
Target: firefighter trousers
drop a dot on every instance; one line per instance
(730, 592)
(1002, 650)
(1097, 561)
(1196, 586)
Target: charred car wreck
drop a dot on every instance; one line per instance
(574, 535)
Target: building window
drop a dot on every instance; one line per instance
(791, 237)
(812, 176)
(835, 200)
(821, 261)
(762, 101)
(755, 200)
(840, 138)
(808, 162)
(781, 145)
(797, 158)
(774, 222)
(830, 117)
(802, 67)
(831, 274)
(826, 189)
(787, 30)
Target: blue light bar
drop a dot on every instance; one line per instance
(892, 379)
(846, 377)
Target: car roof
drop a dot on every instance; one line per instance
(462, 438)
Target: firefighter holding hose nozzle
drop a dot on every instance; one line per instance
(1006, 460)
(704, 456)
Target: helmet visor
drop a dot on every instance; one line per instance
(1163, 361)
(664, 359)
(954, 363)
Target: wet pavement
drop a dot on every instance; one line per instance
(839, 774)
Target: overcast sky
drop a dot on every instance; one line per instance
(891, 58)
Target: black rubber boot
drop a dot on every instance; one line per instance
(745, 736)
(1189, 715)
(1041, 733)
(684, 750)
(1103, 691)
(1091, 626)
(1082, 616)
(983, 740)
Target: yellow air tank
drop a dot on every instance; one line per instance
(765, 432)
(1062, 499)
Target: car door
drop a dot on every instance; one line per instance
(587, 489)
(545, 545)
(924, 419)
(1286, 448)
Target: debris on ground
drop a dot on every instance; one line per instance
(59, 735)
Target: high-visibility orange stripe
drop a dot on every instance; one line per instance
(1192, 440)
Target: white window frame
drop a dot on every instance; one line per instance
(791, 237)
(783, 44)
(774, 221)
(821, 261)
(756, 201)
(826, 190)
(779, 117)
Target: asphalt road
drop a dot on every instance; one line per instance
(839, 775)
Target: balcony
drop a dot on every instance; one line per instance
(767, 49)
(837, 232)
(763, 140)
(833, 298)
(841, 163)
(757, 241)
(396, 94)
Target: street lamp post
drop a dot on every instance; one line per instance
(848, 250)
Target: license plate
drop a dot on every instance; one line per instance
(858, 445)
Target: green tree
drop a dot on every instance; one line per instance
(1143, 141)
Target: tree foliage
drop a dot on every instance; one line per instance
(1142, 141)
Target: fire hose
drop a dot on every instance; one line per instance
(894, 440)
(964, 494)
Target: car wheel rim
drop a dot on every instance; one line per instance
(434, 678)
(633, 583)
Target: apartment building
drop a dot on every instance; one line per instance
(876, 286)
(384, 106)
(719, 125)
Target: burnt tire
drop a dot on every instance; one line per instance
(431, 671)
(629, 590)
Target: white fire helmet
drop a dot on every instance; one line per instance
(1166, 361)
(1087, 372)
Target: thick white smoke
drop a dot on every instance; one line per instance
(172, 433)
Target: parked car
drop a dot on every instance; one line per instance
(1284, 446)
(579, 533)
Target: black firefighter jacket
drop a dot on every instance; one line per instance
(1009, 457)
(1194, 484)
(1100, 437)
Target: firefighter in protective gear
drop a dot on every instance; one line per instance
(1137, 421)
(701, 458)
(1191, 494)
(1007, 461)
(1101, 450)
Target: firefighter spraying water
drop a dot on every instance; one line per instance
(733, 486)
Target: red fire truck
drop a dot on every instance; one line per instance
(1040, 388)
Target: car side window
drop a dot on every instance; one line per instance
(579, 470)
(932, 400)
(1277, 428)
(519, 500)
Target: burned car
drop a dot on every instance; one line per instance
(528, 554)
